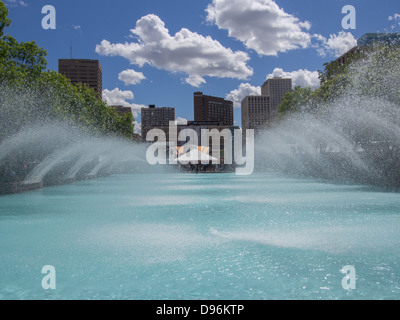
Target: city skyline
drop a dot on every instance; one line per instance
(118, 36)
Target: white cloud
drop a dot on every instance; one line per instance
(267, 29)
(14, 3)
(302, 77)
(181, 120)
(260, 24)
(137, 127)
(76, 27)
(336, 45)
(117, 97)
(195, 81)
(131, 77)
(244, 90)
(186, 51)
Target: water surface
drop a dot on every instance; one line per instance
(200, 236)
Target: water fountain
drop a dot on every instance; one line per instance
(284, 232)
(56, 153)
(355, 138)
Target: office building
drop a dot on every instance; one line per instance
(260, 111)
(255, 112)
(153, 117)
(367, 41)
(275, 88)
(209, 108)
(344, 57)
(84, 71)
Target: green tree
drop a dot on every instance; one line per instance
(296, 100)
(4, 21)
(31, 93)
(335, 68)
(19, 61)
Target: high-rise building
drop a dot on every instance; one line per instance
(367, 41)
(260, 111)
(155, 117)
(83, 71)
(276, 88)
(255, 112)
(209, 108)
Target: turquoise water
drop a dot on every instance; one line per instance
(200, 236)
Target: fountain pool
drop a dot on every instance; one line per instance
(200, 236)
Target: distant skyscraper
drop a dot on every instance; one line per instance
(155, 117)
(261, 111)
(255, 112)
(83, 71)
(209, 108)
(275, 88)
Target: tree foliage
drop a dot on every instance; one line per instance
(364, 73)
(296, 99)
(4, 21)
(31, 93)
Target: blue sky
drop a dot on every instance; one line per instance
(161, 51)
